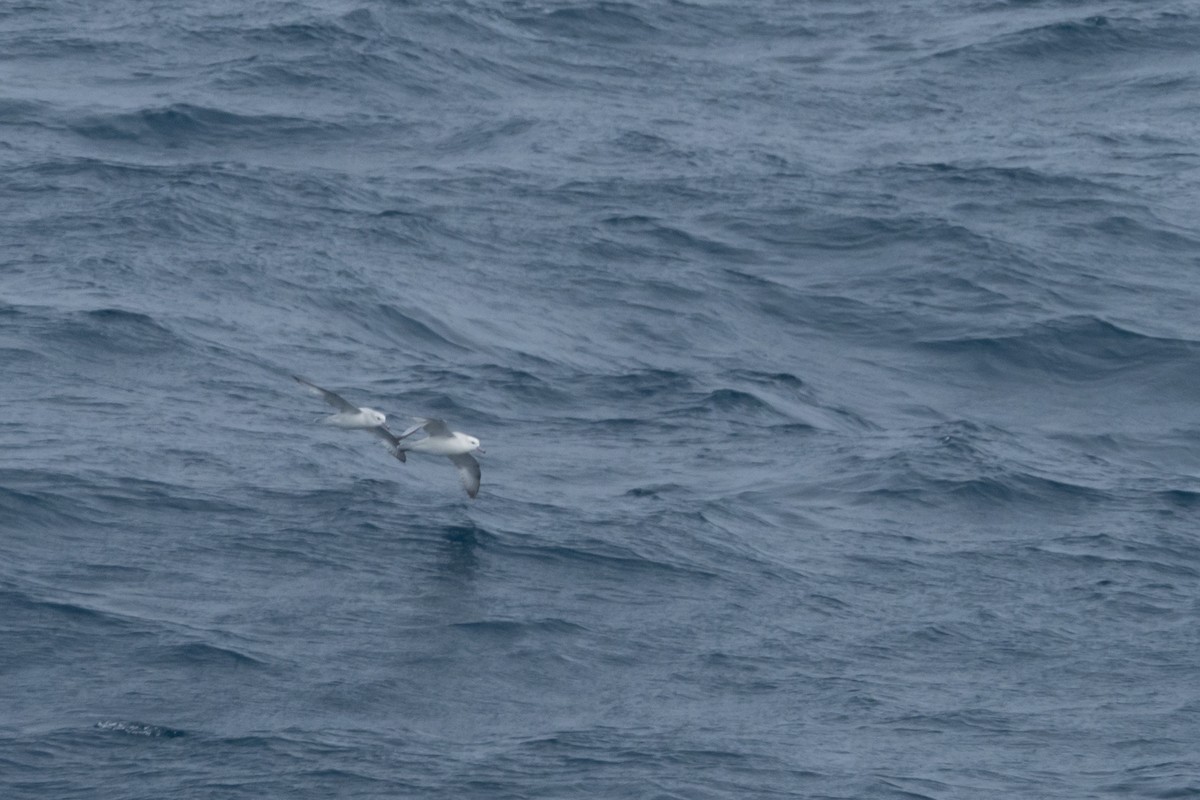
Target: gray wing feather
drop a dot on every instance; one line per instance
(468, 470)
(384, 433)
(432, 426)
(390, 439)
(335, 400)
(410, 431)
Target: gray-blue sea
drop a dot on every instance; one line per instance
(837, 366)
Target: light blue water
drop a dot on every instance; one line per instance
(837, 367)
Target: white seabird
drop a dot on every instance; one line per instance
(348, 415)
(439, 441)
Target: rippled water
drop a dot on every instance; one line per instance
(836, 366)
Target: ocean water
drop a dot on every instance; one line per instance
(837, 366)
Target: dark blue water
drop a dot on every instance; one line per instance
(837, 366)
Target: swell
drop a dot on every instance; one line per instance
(641, 238)
(108, 332)
(131, 728)
(645, 401)
(35, 508)
(1071, 349)
(595, 23)
(180, 125)
(1076, 41)
(406, 328)
(84, 499)
(60, 615)
(60, 633)
(964, 464)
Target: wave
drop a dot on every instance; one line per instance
(381, 55)
(85, 499)
(116, 330)
(726, 402)
(612, 23)
(1151, 234)
(39, 508)
(965, 465)
(622, 239)
(403, 327)
(140, 729)
(202, 654)
(1081, 349)
(1016, 186)
(603, 557)
(180, 124)
(514, 629)
(1068, 43)
(58, 615)
(1164, 562)
(1181, 498)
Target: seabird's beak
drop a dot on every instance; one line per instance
(480, 450)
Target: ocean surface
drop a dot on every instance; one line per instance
(837, 364)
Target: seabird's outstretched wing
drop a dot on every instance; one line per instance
(468, 470)
(432, 426)
(390, 439)
(335, 400)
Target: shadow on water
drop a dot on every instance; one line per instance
(459, 546)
